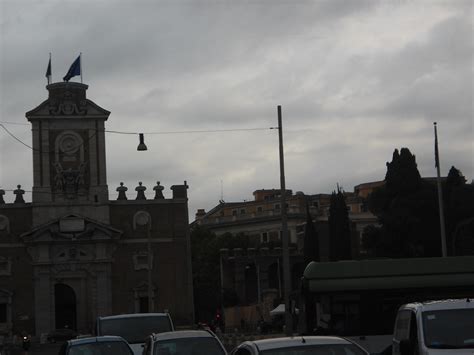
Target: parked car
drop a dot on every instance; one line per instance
(101, 345)
(134, 328)
(300, 345)
(184, 342)
(435, 327)
(61, 335)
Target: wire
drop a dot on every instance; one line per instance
(132, 133)
(15, 137)
(65, 151)
(15, 123)
(195, 131)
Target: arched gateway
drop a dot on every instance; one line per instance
(65, 307)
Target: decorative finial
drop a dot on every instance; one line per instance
(140, 191)
(19, 194)
(121, 192)
(158, 191)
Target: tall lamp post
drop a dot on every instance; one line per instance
(144, 219)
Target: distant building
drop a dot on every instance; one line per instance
(257, 272)
(72, 254)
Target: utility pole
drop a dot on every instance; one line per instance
(284, 232)
(440, 196)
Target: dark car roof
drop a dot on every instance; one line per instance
(134, 315)
(177, 334)
(293, 341)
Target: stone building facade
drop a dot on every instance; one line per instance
(256, 273)
(72, 254)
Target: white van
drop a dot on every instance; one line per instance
(135, 327)
(435, 328)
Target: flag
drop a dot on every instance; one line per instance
(48, 71)
(436, 147)
(74, 70)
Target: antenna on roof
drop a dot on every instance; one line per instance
(222, 192)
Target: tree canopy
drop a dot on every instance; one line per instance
(408, 212)
(339, 227)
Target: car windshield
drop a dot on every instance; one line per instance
(326, 349)
(134, 329)
(188, 346)
(449, 329)
(100, 348)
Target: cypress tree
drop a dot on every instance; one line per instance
(339, 227)
(311, 240)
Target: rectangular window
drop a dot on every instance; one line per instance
(259, 209)
(242, 211)
(5, 266)
(140, 261)
(274, 236)
(234, 212)
(264, 238)
(277, 206)
(3, 312)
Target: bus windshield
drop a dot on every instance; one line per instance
(134, 329)
(449, 329)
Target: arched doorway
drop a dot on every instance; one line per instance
(251, 283)
(65, 307)
(274, 277)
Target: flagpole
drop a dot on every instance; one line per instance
(50, 78)
(440, 196)
(80, 64)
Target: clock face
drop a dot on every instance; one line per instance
(69, 144)
(142, 218)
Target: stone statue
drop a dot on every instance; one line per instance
(58, 178)
(2, 192)
(19, 195)
(158, 191)
(140, 192)
(121, 192)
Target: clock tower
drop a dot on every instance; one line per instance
(69, 165)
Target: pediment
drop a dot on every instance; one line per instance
(71, 228)
(67, 108)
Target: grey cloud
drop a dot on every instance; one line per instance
(181, 65)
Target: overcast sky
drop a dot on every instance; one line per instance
(355, 79)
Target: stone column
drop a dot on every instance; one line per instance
(44, 298)
(103, 290)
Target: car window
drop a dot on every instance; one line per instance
(326, 349)
(101, 348)
(188, 346)
(402, 325)
(449, 329)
